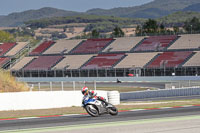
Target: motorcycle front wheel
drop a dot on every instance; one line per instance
(92, 110)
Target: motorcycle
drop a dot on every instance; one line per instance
(96, 107)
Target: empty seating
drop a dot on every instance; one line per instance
(62, 46)
(5, 47)
(187, 42)
(73, 61)
(194, 60)
(133, 60)
(103, 61)
(169, 59)
(42, 47)
(19, 46)
(19, 65)
(43, 63)
(156, 43)
(91, 46)
(123, 44)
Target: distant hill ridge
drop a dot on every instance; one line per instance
(154, 9)
(15, 19)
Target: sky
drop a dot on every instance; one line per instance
(10, 6)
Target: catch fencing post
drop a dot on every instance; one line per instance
(39, 86)
(189, 83)
(95, 85)
(62, 85)
(51, 86)
(74, 85)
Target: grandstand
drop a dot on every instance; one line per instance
(103, 61)
(123, 44)
(155, 43)
(170, 59)
(9, 52)
(93, 46)
(186, 42)
(134, 60)
(194, 61)
(62, 46)
(5, 47)
(19, 65)
(43, 63)
(17, 48)
(4, 60)
(73, 61)
(42, 47)
(150, 56)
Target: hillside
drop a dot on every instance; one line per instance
(155, 9)
(102, 23)
(179, 17)
(16, 19)
(194, 7)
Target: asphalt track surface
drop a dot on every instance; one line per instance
(6, 125)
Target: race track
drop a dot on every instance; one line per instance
(78, 120)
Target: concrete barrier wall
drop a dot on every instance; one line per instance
(160, 93)
(42, 100)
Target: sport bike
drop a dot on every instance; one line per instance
(96, 107)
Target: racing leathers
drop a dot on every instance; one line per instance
(92, 94)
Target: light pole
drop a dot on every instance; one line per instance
(191, 29)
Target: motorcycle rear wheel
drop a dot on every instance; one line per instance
(113, 110)
(92, 110)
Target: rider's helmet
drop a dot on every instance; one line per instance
(84, 90)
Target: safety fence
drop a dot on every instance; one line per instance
(160, 93)
(108, 85)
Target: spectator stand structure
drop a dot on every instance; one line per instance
(142, 56)
(91, 46)
(42, 47)
(10, 52)
(155, 43)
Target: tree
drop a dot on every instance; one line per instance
(138, 30)
(151, 26)
(95, 34)
(192, 25)
(6, 37)
(176, 29)
(162, 28)
(117, 32)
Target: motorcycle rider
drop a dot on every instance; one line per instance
(91, 94)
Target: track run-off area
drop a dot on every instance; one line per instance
(166, 120)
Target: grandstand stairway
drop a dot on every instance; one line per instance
(87, 62)
(42, 47)
(28, 63)
(188, 58)
(117, 62)
(71, 52)
(171, 43)
(106, 45)
(137, 45)
(148, 63)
